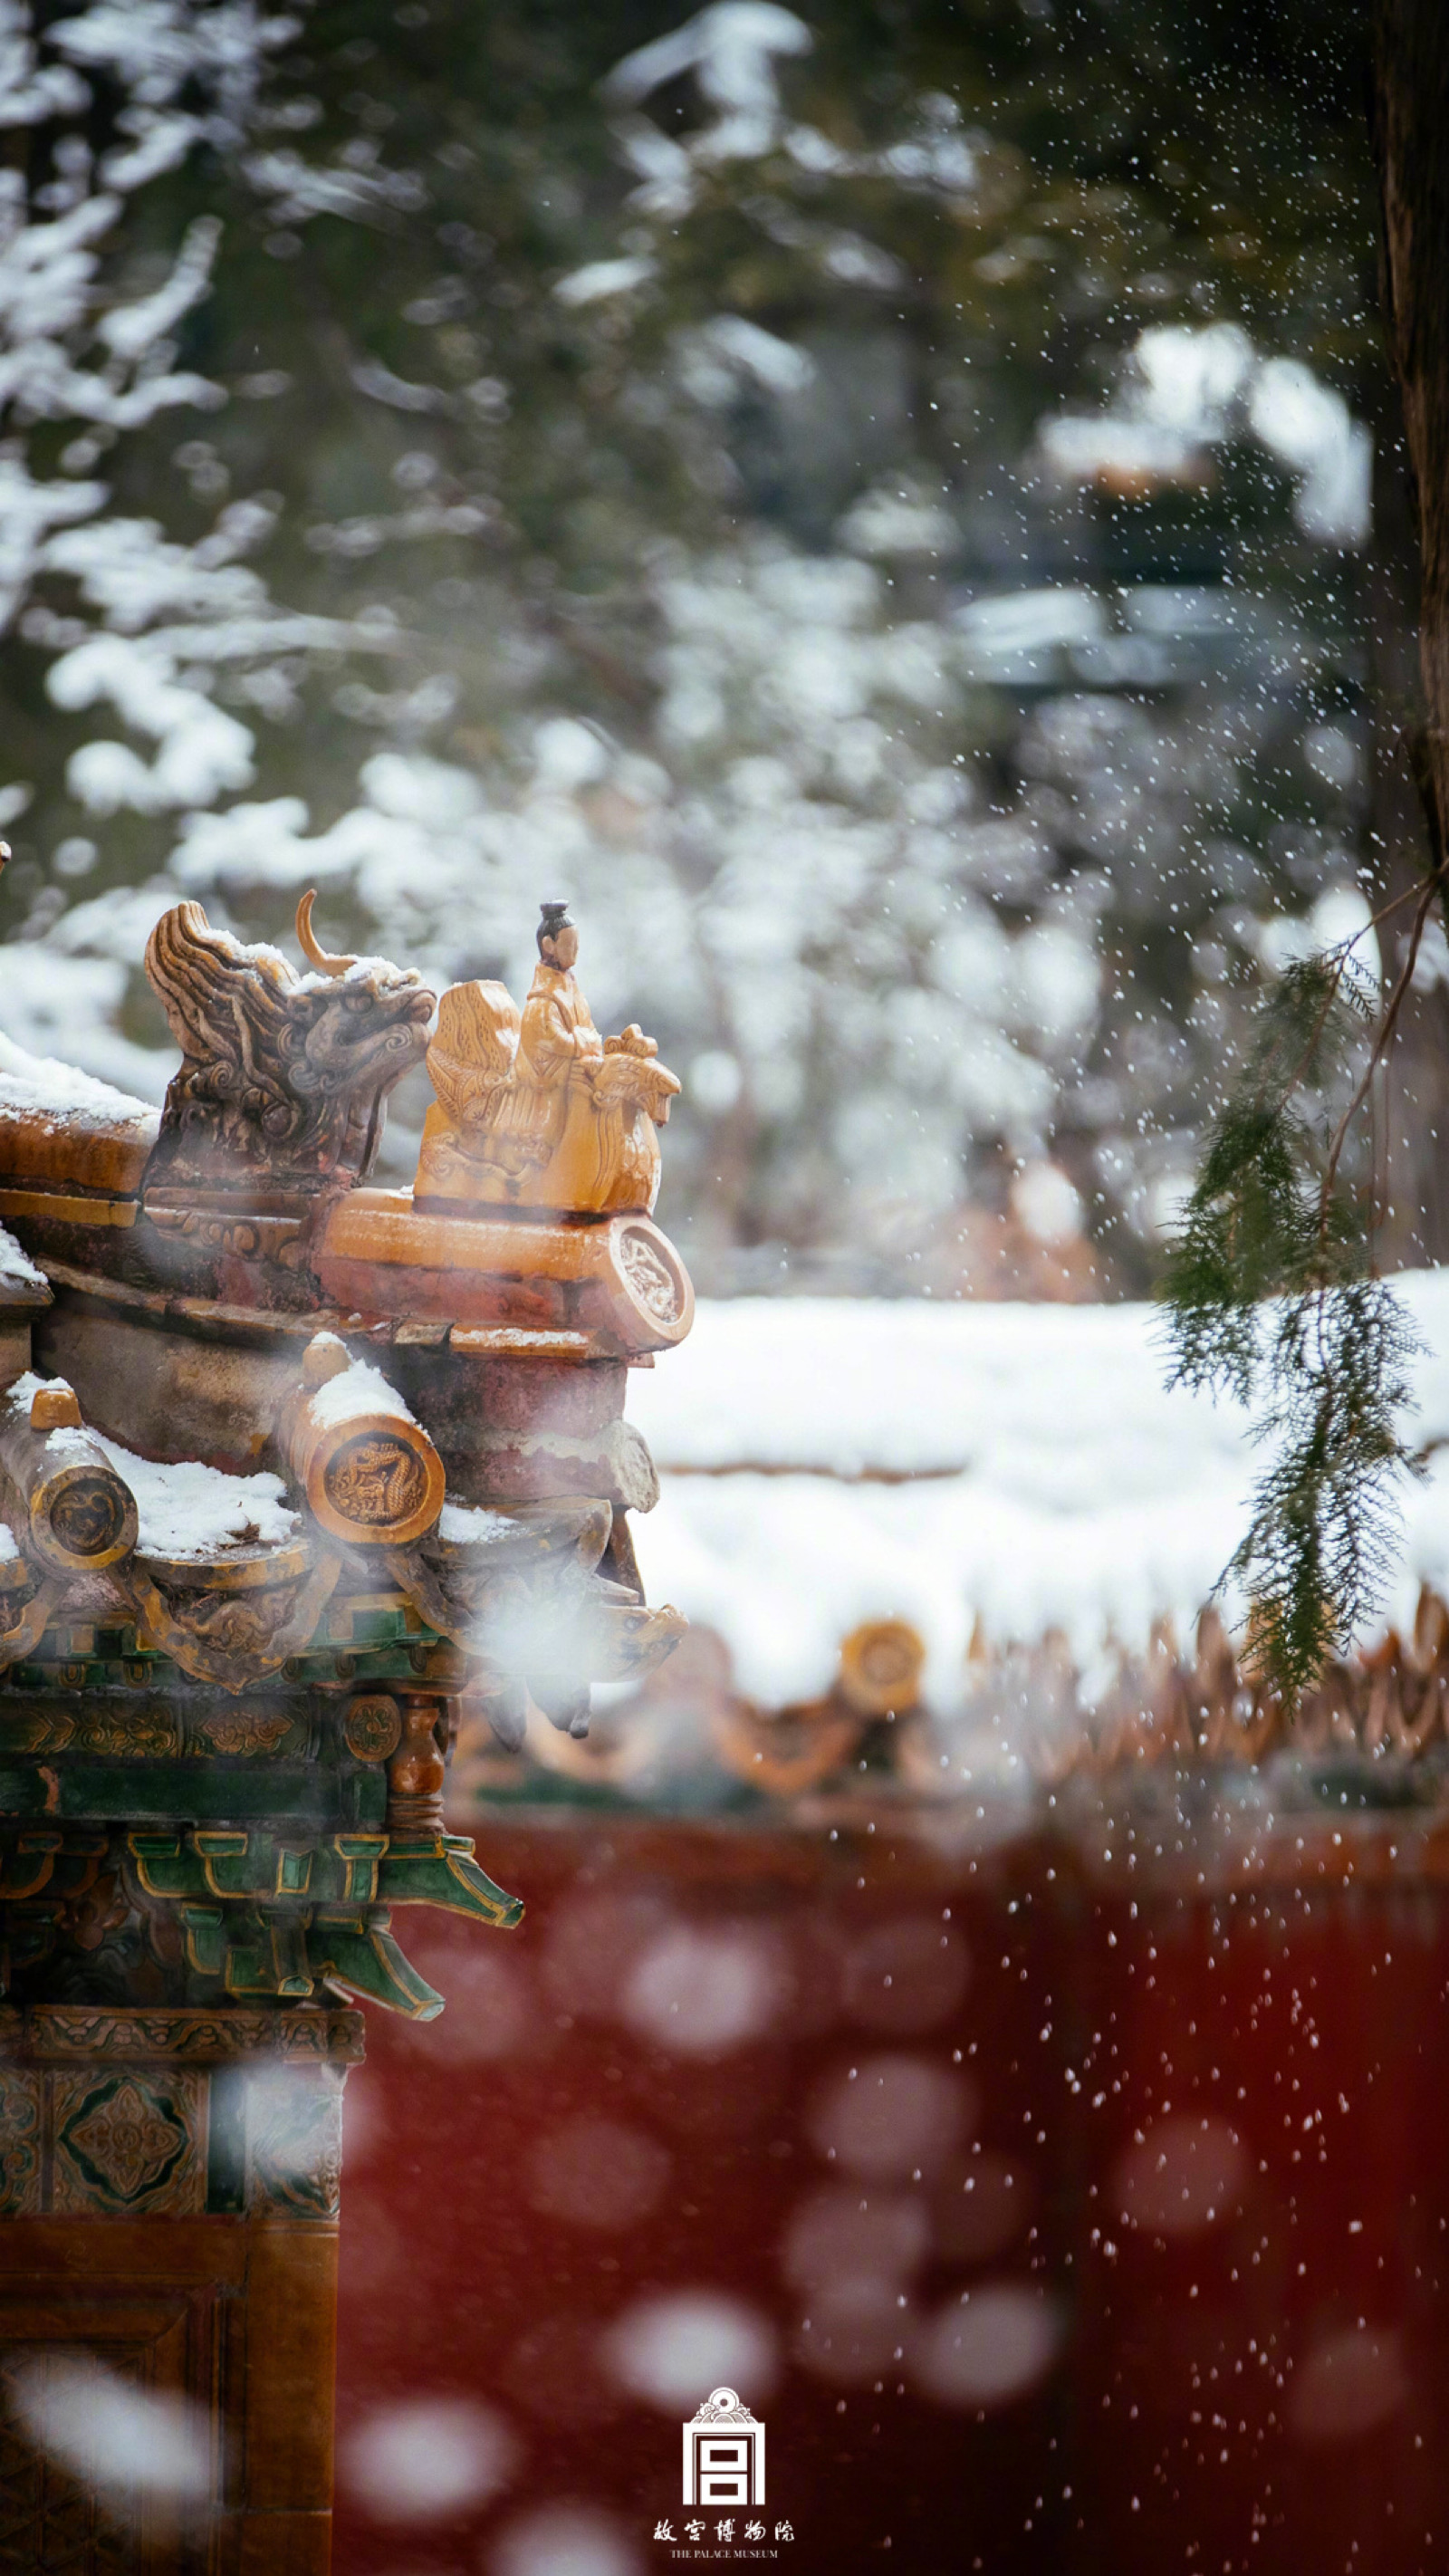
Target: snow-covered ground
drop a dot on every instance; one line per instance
(826, 1461)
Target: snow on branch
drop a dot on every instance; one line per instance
(152, 50)
(167, 74)
(132, 329)
(120, 93)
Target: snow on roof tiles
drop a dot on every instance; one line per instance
(190, 1511)
(22, 1281)
(44, 1087)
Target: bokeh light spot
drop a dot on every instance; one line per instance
(1182, 2175)
(1347, 2383)
(597, 2173)
(699, 1993)
(565, 2540)
(426, 2460)
(838, 2234)
(671, 2350)
(890, 2116)
(991, 2345)
(906, 1976)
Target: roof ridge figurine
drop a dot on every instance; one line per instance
(535, 1109)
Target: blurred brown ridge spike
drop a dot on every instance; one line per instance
(1022, 1717)
(288, 1466)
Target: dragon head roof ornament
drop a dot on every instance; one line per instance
(283, 1077)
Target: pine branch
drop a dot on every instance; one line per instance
(1270, 1301)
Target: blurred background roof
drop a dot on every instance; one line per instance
(986, 1473)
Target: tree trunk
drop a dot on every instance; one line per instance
(1411, 122)
(1411, 1100)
